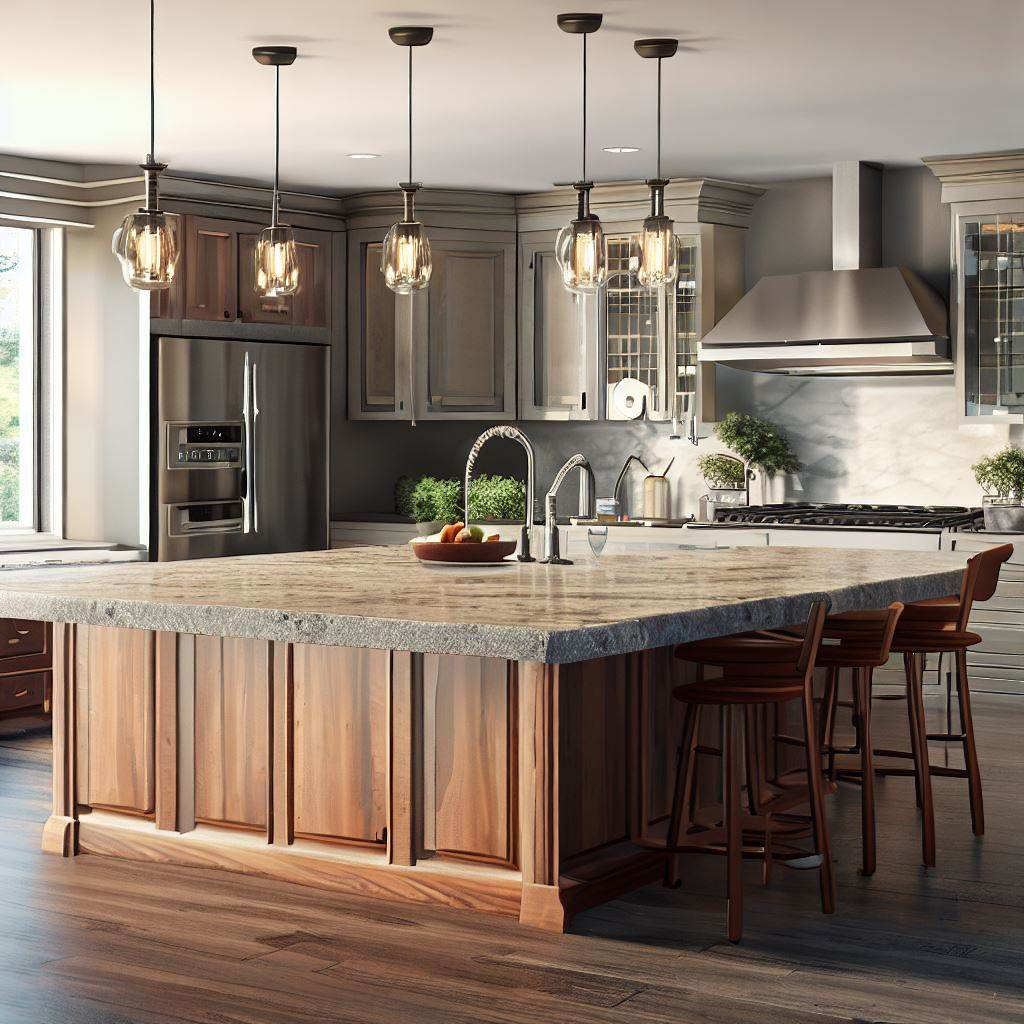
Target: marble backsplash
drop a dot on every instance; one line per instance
(870, 440)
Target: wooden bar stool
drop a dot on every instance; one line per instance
(940, 627)
(758, 670)
(858, 641)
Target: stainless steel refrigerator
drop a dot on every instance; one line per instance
(240, 448)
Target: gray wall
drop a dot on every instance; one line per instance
(860, 440)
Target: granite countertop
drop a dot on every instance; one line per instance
(382, 597)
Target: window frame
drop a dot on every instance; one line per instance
(47, 385)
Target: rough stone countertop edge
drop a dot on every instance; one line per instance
(515, 643)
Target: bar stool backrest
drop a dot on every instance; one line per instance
(812, 638)
(865, 637)
(981, 577)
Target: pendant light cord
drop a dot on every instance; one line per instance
(152, 78)
(410, 115)
(277, 127)
(659, 117)
(584, 178)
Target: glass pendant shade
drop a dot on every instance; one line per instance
(146, 245)
(655, 253)
(405, 258)
(580, 252)
(277, 266)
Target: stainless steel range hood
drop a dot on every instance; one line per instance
(856, 319)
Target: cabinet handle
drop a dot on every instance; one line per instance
(21, 693)
(14, 640)
(227, 314)
(21, 632)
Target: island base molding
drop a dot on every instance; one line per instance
(516, 788)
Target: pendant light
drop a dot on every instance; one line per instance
(579, 246)
(277, 266)
(146, 243)
(405, 258)
(655, 251)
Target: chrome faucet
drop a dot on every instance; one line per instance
(513, 434)
(552, 555)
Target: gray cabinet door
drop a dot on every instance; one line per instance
(558, 335)
(377, 323)
(466, 367)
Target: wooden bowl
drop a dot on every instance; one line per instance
(483, 552)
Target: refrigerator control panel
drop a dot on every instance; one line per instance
(204, 446)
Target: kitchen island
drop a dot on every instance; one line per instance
(496, 738)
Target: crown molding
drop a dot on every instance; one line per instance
(979, 176)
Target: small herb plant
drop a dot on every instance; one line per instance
(429, 499)
(1002, 475)
(723, 472)
(758, 443)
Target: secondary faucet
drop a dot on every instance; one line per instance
(552, 555)
(513, 434)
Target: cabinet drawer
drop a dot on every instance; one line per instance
(25, 691)
(21, 636)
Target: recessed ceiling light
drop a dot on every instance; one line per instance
(363, 156)
(622, 149)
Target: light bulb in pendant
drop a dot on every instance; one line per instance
(147, 242)
(405, 258)
(580, 248)
(277, 266)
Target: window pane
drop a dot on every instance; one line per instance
(17, 376)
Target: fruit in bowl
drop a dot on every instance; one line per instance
(460, 543)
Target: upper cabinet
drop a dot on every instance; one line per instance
(448, 352)
(627, 352)
(216, 273)
(986, 197)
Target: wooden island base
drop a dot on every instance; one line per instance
(516, 788)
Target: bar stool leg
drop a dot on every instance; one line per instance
(817, 801)
(922, 769)
(963, 690)
(681, 792)
(908, 671)
(867, 772)
(732, 756)
(828, 719)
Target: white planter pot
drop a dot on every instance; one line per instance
(1004, 517)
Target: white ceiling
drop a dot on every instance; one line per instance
(761, 89)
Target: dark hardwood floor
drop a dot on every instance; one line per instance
(94, 941)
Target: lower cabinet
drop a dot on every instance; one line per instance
(26, 660)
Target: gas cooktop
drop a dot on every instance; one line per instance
(906, 517)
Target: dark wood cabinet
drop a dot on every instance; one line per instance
(26, 661)
(309, 306)
(211, 269)
(216, 277)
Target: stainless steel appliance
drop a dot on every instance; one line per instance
(858, 318)
(241, 448)
(905, 517)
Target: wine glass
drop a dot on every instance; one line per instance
(597, 537)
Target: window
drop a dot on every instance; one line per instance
(18, 377)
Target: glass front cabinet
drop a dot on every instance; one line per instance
(990, 288)
(985, 193)
(627, 353)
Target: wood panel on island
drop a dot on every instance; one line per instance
(216, 270)
(513, 787)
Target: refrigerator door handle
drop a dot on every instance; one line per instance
(247, 426)
(252, 477)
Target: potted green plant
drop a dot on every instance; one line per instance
(1001, 476)
(432, 503)
(760, 444)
